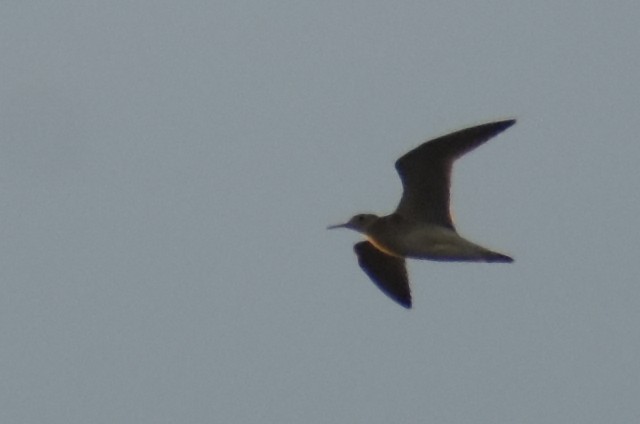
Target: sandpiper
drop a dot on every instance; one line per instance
(421, 226)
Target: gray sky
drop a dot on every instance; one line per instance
(167, 171)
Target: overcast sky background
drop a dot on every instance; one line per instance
(167, 171)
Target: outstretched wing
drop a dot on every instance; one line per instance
(426, 172)
(387, 272)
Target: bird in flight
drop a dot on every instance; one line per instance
(421, 226)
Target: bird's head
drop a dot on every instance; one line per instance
(360, 223)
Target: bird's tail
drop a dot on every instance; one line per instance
(497, 257)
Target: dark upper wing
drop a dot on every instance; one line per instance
(387, 272)
(426, 171)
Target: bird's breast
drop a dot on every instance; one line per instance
(417, 241)
(384, 247)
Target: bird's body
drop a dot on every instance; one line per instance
(421, 227)
(398, 236)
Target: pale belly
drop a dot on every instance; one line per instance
(429, 242)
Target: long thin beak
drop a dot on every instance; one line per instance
(331, 227)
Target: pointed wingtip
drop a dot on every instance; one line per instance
(511, 121)
(504, 123)
(404, 302)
